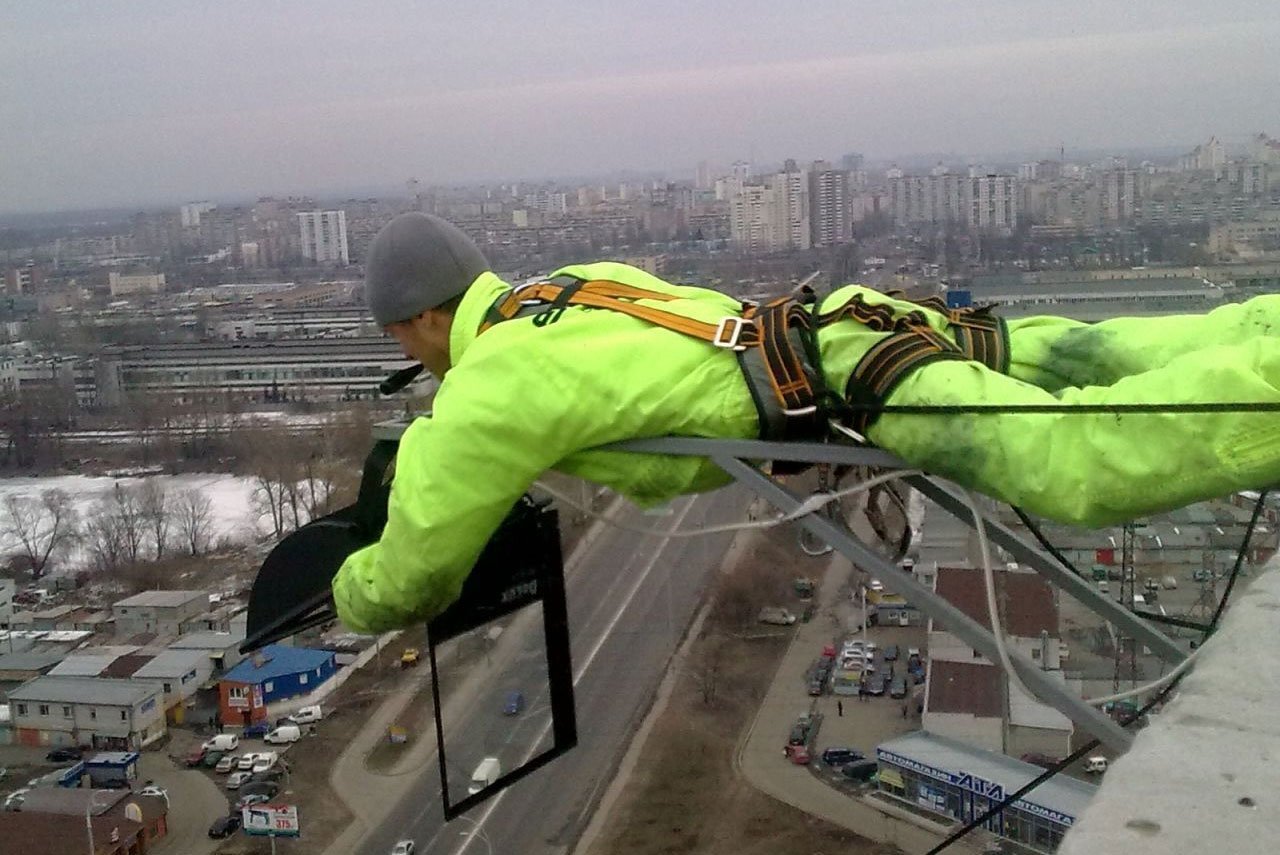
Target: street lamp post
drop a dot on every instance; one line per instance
(88, 825)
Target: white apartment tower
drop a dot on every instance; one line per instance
(773, 215)
(324, 236)
(829, 206)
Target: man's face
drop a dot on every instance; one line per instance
(424, 338)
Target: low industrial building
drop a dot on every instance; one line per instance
(271, 370)
(159, 612)
(180, 674)
(221, 648)
(113, 715)
(948, 777)
(150, 812)
(274, 673)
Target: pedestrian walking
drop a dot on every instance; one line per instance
(840, 708)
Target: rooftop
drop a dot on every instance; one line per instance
(50, 834)
(965, 687)
(172, 663)
(162, 599)
(276, 660)
(1026, 711)
(951, 757)
(90, 690)
(1026, 600)
(30, 660)
(207, 641)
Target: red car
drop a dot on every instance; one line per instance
(798, 754)
(195, 756)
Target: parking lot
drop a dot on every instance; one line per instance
(855, 721)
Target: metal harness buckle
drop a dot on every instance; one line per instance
(734, 326)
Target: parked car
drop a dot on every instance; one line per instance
(251, 799)
(860, 770)
(246, 761)
(797, 754)
(195, 755)
(514, 703)
(913, 653)
(1169, 583)
(307, 715)
(213, 758)
(840, 756)
(223, 742)
(16, 798)
(899, 687)
(62, 755)
(799, 735)
(816, 686)
(256, 731)
(261, 788)
(1096, 765)
(776, 616)
(283, 735)
(226, 764)
(264, 761)
(410, 657)
(403, 847)
(891, 653)
(272, 775)
(236, 779)
(156, 791)
(876, 685)
(225, 826)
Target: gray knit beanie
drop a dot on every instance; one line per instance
(417, 262)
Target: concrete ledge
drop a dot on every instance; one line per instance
(1202, 778)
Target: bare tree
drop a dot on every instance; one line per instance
(705, 667)
(194, 517)
(156, 507)
(102, 537)
(41, 526)
(126, 508)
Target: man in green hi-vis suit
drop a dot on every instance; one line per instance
(532, 393)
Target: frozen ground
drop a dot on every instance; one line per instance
(230, 495)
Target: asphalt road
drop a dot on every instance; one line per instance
(629, 601)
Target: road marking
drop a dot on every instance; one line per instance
(582, 670)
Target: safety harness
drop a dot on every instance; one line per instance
(776, 345)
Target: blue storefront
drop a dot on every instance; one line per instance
(949, 777)
(274, 673)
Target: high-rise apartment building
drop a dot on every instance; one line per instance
(993, 202)
(772, 215)
(1121, 195)
(324, 236)
(829, 206)
(977, 203)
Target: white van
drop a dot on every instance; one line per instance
(307, 715)
(223, 742)
(283, 734)
(1096, 765)
(485, 774)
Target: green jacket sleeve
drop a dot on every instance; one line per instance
(496, 426)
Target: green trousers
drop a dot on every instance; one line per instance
(1101, 469)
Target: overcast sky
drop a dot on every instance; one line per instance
(131, 102)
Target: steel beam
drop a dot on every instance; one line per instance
(927, 600)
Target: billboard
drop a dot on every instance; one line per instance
(273, 820)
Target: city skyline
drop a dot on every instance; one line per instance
(146, 104)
